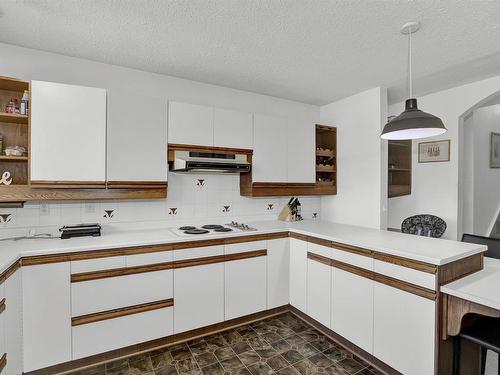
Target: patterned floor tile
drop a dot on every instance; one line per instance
(215, 369)
(224, 353)
(241, 347)
(281, 346)
(277, 362)
(249, 358)
(231, 364)
(187, 366)
(292, 356)
(167, 370)
(288, 371)
(260, 368)
(205, 359)
(120, 370)
(140, 365)
(161, 360)
(350, 365)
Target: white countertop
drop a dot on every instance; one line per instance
(480, 287)
(430, 250)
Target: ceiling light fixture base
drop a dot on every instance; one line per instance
(410, 27)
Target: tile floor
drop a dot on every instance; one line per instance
(282, 345)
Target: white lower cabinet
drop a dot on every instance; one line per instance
(352, 308)
(298, 274)
(198, 296)
(318, 291)
(245, 286)
(13, 323)
(46, 315)
(105, 335)
(278, 272)
(404, 330)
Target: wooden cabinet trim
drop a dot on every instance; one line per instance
(2, 305)
(3, 362)
(245, 255)
(215, 149)
(319, 258)
(122, 311)
(408, 263)
(460, 268)
(123, 271)
(199, 261)
(352, 249)
(136, 184)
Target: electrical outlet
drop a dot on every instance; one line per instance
(44, 209)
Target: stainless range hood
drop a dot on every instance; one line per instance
(209, 162)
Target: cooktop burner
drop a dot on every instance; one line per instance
(223, 229)
(187, 227)
(212, 226)
(196, 231)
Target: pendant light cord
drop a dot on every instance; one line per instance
(410, 84)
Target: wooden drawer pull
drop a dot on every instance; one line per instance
(2, 305)
(3, 361)
(122, 311)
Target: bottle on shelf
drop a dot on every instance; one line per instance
(24, 107)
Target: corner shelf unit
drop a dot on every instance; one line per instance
(15, 131)
(326, 159)
(399, 168)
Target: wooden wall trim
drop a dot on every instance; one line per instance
(3, 362)
(220, 150)
(123, 311)
(137, 184)
(2, 305)
(123, 271)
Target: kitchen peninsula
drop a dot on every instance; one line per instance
(375, 292)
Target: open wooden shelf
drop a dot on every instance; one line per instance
(13, 158)
(399, 176)
(329, 153)
(13, 118)
(326, 153)
(325, 168)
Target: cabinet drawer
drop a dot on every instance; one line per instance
(98, 337)
(245, 246)
(90, 265)
(198, 252)
(427, 280)
(121, 291)
(353, 259)
(149, 258)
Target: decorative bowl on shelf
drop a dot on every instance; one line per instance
(15, 151)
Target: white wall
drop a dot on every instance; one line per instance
(468, 174)
(361, 159)
(435, 188)
(486, 191)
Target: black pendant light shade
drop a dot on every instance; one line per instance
(413, 124)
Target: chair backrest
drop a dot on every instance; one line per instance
(424, 225)
(492, 243)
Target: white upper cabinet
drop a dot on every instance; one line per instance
(301, 151)
(190, 124)
(68, 133)
(269, 162)
(137, 137)
(233, 129)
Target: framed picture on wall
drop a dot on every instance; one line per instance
(495, 150)
(436, 151)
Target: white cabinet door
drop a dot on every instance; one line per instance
(46, 315)
(2, 324)
(301, 151)
(278, 272)
(190, 124)
(233, 129)
(298, 274)
(245, 287)
(404, 330)
(13, 323)
(318, 291)
(68, 133)
(352, 308)
(198, 296)
(136, 137)
(269, 163)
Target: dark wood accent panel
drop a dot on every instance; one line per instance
(116, 272)
(460, 268)
(220, 150)
(245, 255)
(69, 184)
(255, 237)
(136, 184)
(3, 362)
(408, 263)
(2, 305)
(319, 258)
(345, 343)
(352, 249)
(353, 269)
(123, 311)
(278, 189)
(9, 271)
(156, 344)
(319, 241)
(23, 193)
(299, 236)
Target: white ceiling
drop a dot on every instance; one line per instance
(313, 51)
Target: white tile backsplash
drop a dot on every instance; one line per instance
(191, 198)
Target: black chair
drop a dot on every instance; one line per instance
(424, 225)
(485, 331)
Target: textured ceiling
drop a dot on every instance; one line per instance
(313, 51)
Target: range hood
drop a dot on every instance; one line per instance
(209, 162)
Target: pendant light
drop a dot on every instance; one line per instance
(412, 123)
